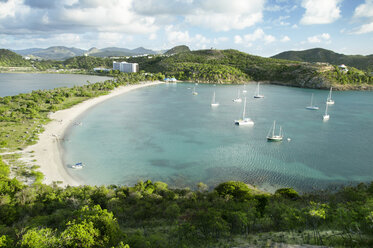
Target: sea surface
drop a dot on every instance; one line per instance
(15, 83)
(165, 133)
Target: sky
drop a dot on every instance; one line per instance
(259, 27)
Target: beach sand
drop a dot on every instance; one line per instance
(47, 151)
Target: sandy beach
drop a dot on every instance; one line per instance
(47, 151)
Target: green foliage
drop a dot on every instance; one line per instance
(238, 190)
(81, 234)
(4, 168)
(177, 49)
(39, 238)
(9, 58)
(327, 56)
(287, 193)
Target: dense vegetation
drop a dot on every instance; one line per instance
(231, 66)
(177, 49)
(153, 215)
(327, 56)
(225, 66)
(9, 58)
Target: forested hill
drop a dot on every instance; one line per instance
(323, 55)
(9, 58)
(232, 66)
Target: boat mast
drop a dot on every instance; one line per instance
(311, 100)
(244, 110)
(274, 127)
(330, 94)
(326, 109)
(257, 89)
(213, 98)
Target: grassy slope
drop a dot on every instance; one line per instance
(323, 55)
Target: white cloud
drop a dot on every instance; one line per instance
(238, 39)
(325, 37)
(53, 17)
(285, 39)
(220, 40)
(257, 35)
(364, 11)
(320, 11)
(177, 37)
(219, 15)
(153, 36)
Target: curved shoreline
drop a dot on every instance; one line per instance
(47, 151)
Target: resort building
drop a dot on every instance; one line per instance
(343, 68)
(125, 67)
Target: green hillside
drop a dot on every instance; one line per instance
(232, 66)
(327, 56)
(177, 49)
(11, 59)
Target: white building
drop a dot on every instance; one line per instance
(343, 68)
(125, 67)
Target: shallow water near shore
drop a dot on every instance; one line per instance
(15, 83)
(164, 133)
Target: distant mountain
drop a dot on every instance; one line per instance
(117, 52)
(52, 53)
(28, 51)
(177, 49)
(323, 55)
(63, 53)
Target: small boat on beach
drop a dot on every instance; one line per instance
(312, 107)
(244, 121)
(271, 136)
(79, 165)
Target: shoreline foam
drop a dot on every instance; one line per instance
(48, 150)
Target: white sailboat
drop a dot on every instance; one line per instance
(194, 91)
(326, 116)
(213, 102)
(312, 107)
(257, 94)
(329, 100)
(244, 89)
(244, 121)
(238, 99)
(271, 136)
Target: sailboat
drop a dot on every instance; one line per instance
(213, 102)
(326, 116)
(329, 100)
(244, 121)
(257, 94)
(244, 89)
(194, 91)
(271, 136)
(312, 107)
(238, 99)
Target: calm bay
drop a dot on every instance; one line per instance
(165, 133)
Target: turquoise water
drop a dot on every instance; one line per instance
(15, 83)
(165, 133)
